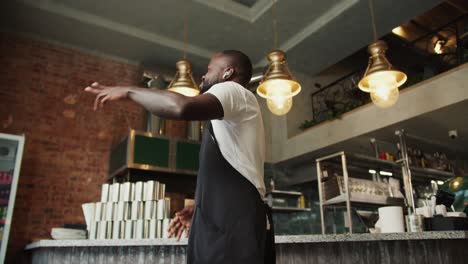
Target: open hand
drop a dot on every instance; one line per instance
(106, 93)
(181, 222)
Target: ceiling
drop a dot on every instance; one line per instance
(315, 34)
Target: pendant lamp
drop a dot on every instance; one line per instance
(183, 81)
(381, 79)
(278, 85)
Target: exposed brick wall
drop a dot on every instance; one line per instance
(67, 143)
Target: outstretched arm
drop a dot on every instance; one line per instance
(165, 104)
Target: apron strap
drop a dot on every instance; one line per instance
(210, 128)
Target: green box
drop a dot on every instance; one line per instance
(144, 151)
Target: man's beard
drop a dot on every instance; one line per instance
(206, 85)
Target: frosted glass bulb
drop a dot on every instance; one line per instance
(279, 97)
(381, 82)
(279, 105)
(384, 98)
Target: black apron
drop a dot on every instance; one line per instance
(229, 222)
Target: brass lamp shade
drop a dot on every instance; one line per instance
(183, 82)
(278, 75)
(380, 68)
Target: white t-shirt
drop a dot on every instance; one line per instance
(240, 133)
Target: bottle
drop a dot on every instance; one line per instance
(436, 160)
(445, 162)
(423, 160)
(272, 184)
(301, 202)
(409, 152)
(398, 155)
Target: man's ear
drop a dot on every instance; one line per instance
(228, 73)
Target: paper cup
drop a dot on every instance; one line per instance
(391, 219)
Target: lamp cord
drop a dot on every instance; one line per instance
(185, 31)
(275, 30)
(374, 28)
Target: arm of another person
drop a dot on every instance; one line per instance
(162, 103)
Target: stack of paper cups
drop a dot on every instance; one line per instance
(391, 219)
(139, 229)
(137, 211)
(128, 229)
(109, 229)
(162, 191)
(109, 209)
(88, 212)
(101, 230)
(116, 230)
(165, 225)
(159, 228)
(129, 211)
(126, 193)
(92, 231)
(122, 212)
(167, 208)
(160, 210)
(99, 212)
(152, 228)
(115, 191)
(150, 210)
(151, 190)
(138, 191)
(105, 193)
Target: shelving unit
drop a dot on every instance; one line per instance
(360, 160)
(362, 164)
(144, 151)
(142, 156)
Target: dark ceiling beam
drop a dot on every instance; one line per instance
(433, 32)
(426, 29)
(457, 6)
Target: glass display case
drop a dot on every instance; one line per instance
(11, 153)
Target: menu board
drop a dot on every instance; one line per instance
(5, 188)
(11, 152)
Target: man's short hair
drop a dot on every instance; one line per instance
(241, 64)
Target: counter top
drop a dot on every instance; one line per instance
(372, 237)
(279, 239)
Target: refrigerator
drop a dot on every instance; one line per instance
(11, 153)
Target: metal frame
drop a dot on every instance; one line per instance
(14, 185)
(405, 169)
(345, 175)
(406, 172)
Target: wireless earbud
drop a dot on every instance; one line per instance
(225, 75)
